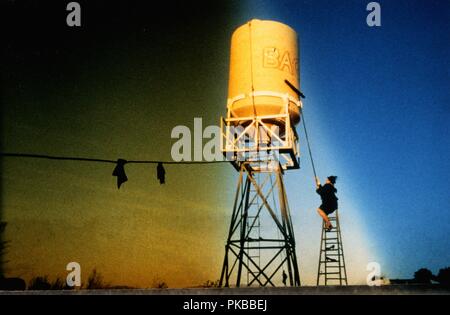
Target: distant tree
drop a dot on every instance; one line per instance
(3, 246)
(59, 284)
(43, 283)
(7, 283)
(159, 284)
(423, 275)
(40, 283)
(12, 284)
(443, 276)
(211, 284)
(95, 281)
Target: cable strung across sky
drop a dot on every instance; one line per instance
(51, 157)
(119, 170)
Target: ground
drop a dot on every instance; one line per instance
(333, 290)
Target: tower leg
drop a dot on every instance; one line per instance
(260, 242)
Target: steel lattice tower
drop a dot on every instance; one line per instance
(259, 139)
(260, 252)
(260, 247)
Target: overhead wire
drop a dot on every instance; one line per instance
(83, 159)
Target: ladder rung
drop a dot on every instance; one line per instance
(330, 273)
(343, 279)
(336, 267)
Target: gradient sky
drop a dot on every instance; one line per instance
(376, 109)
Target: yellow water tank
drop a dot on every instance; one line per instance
(263, 55)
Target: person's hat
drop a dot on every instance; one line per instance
(332, 179)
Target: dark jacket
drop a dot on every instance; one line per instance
(327, 193)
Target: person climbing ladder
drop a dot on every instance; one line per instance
(331, 258)
(329, 204)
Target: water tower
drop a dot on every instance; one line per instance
(260, 141)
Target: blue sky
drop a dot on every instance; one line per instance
(377, 109)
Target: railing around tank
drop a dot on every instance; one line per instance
(257, 138)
